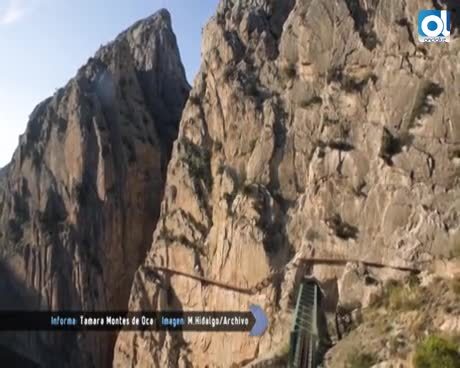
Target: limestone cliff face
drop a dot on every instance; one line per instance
(80, 199)
(314, 129)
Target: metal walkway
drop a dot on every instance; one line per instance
(151, 270)
(307, 338)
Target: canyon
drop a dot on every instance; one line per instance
(314, 130)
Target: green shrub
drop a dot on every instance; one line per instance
(391, 145)
(290, 71)
(199, 162)
(285, 348)
(397, 296)
(249, 190)
(423, 105)
(305, 103)
(228, 71)
(194, 99)
(455, 249)
(15, 231)
(130, 149)
(413, 280)
(436, 352)
(407, 298)
(218, 146)
(455, 285)
(221, 169)
(360, 360)
(312, 235)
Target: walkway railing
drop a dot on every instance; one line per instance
(305, 334)
(151, 270)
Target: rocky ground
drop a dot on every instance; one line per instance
(388, 332)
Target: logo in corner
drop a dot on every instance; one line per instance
(434, 26)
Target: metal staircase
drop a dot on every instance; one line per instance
(306, 335)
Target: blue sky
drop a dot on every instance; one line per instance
(44, 42)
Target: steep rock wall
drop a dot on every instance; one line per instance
(314, 129)
(80, 199)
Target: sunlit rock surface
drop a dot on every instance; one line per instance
(81, 197)
(314, 129)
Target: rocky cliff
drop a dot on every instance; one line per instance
(314, 129)
(81, 197)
